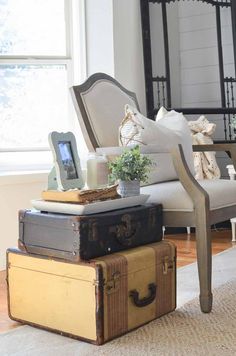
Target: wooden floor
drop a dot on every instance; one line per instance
(186, 251)
(186, 254)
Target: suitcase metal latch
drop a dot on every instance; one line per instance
(167, 264)
(113, 284)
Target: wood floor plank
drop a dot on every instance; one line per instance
(186, 254)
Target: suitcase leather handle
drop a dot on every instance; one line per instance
(134, 294)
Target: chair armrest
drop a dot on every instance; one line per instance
(229, 148)
(198, 195)
(145, 149)
(191, 185)
(215, 147)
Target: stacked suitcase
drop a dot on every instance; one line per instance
(91, 277)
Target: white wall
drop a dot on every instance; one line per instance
(199, 55)
(200, 81)
(115, 43)
(128, 48)
(174, 44)
(99, 36)
(16, 192)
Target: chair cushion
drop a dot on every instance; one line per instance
(173, 197)
(169, 131)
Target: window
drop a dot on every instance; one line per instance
(35, 74)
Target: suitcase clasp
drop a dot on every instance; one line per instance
(167, 264)
(113, 284)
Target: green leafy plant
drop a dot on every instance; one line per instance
(131, 165)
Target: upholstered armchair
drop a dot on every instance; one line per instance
(99, 103)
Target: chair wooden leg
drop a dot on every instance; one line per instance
(233, 222)
(201, 202)
(204, 260)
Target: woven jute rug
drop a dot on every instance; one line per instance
(185, 331)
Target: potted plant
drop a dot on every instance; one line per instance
(130, 169)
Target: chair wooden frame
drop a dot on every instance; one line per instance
(202, 217)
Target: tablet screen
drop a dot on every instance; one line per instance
(67, 159)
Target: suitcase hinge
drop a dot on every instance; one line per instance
(167, 264)
(113, 284)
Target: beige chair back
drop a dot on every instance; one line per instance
(100, 103)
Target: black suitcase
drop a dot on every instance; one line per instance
(78, 238)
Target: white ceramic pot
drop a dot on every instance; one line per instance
(129, 188)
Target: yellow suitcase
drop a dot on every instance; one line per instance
(97, 300)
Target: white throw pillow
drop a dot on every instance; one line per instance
(176, 121)
(137, 129)
(161, 113)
